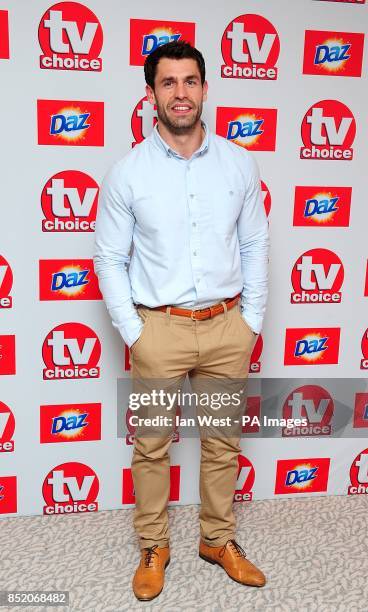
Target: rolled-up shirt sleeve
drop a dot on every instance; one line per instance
(113, 239)
(253, 235)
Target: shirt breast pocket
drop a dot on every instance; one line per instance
(223, 206)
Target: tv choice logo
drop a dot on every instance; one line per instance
(68, 279)
(361, 410)
(333, 53)
(4, 35)
(250, 48)
(245, 480)
(144, 118)
(308, 475)
(359, 474)
(6, 283)
(322, 206)
(328, 131)
(251, 128)
(146, 35)
(364, 345)
(70, 123)
(266, 197)
(69, 202)
(128, 493)
(129, 438)
(70, 487)
(312, 346)
(312, 403)
(71, 351)
(7, 427)
(8, 494)
(71, 38)
(7, 354)
(317, 276)
(70, 422)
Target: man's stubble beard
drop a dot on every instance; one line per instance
(178, 128)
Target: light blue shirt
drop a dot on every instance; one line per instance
(197, 228)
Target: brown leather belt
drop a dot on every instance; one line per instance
(204, 313)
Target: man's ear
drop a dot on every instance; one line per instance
(205, 90)
(150, 95)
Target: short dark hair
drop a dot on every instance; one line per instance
(177, 49)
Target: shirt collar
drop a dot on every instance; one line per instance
(158, 141)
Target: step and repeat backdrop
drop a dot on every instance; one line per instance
(287, 81)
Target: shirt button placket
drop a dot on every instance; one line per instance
(194, 235)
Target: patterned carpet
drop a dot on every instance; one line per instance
(314, 552)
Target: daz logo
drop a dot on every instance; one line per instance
(7, 354)
(312, 346)
(333, 53)
(7, 427)
(328, 131)
(71, 351)
(70, 37)
(302, 475)
(143, 120)
(250, 48)
(64, 122)
(317, 277)
(69, 202)
(65, 279)
(313, 404)
(245, 480)
(364, 361)
(251, 128)
(6, 283)
(147, 34)
(70, 487)
(361, 410)
(359, 474)
(8, 494)
(70, 423)
(322, 206)
(4, 35)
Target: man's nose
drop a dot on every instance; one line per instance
(180, 90)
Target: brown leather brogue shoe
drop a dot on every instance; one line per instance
(149, 577)
(232, 558)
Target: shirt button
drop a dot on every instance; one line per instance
(194, 224)
(192, 195)
(194, 252)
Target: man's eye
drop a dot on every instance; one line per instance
(168, 83)
(190, 81)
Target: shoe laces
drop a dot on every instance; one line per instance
(151, 550)
(238, 549)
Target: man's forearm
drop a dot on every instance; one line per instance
(115, 287)
(254, 264)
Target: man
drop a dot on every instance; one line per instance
(194, 297)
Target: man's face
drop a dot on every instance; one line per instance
(178, 94)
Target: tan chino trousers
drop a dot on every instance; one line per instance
(215, 353)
